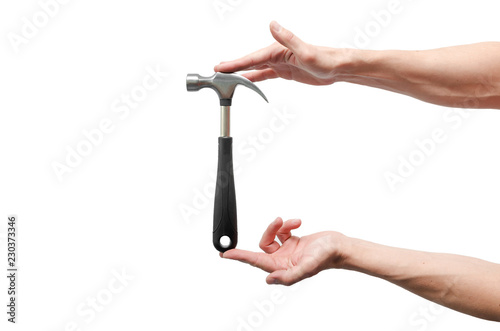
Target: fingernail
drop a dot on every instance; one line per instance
(275, 281)
(275, 26)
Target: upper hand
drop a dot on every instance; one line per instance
(297, 258)
(288, 58)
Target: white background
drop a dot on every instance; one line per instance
(119, 210)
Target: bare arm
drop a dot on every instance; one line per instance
(465, 284)
(465, 76)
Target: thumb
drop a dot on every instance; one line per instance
(286, 277)
(286, 37)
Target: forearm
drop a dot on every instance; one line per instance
(465, 76)
(465, 284)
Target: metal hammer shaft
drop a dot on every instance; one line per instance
(225, 121)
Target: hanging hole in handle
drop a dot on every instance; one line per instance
(225, 241)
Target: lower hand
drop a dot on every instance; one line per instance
(296, 258)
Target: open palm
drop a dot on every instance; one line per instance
(294, 260)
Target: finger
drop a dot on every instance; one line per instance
(259, 260)
(287, 277)
(267, 242)
(250, 61)
(260, 75)
(286, 37)
(284, 233)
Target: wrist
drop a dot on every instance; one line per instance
(340, 250)
(352, 64)
(389, 263)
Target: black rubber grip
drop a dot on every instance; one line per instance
(225, 220)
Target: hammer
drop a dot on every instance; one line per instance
(225, 229)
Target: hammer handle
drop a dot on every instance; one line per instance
(225, 220)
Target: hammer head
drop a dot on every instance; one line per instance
(223, 84)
